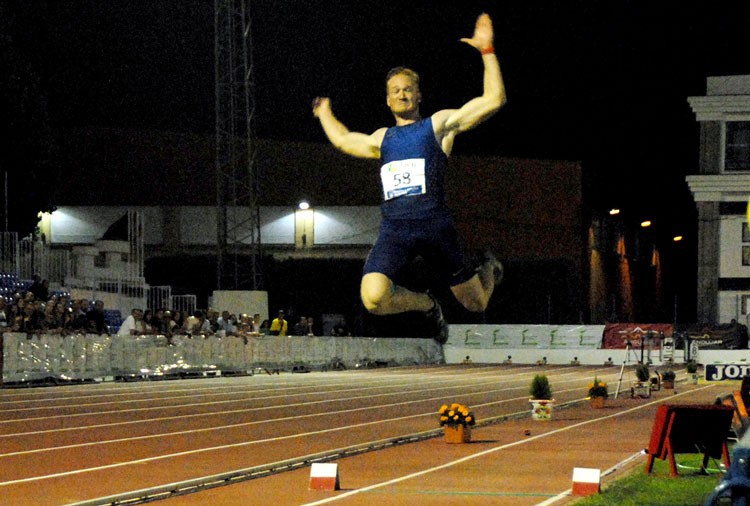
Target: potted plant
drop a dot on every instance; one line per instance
(456, 420)
(598, 393)
(642, 373)
(541, 398)
(667, 379)
(692, 369)
(641, 387)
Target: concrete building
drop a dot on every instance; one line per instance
(721, 192)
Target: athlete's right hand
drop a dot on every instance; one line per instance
(321, 104)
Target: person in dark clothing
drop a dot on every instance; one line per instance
(40, 288)
(95, 318)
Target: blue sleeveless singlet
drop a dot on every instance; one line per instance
(405, 152)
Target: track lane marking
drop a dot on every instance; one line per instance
(490, 451)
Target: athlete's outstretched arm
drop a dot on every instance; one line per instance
(493, 96)
(352, 143)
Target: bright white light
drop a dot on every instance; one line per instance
(614, 211)
(304, 205)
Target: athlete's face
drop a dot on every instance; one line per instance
(403, 95)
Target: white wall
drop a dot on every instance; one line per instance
(730, 259)
(335, 225)
(730, 266)
(241, 301)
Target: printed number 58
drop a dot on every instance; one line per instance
(402, 178)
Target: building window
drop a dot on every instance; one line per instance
(737, 153)
(100, 260)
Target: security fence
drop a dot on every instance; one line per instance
(52, 357)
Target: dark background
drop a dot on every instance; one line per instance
(604, 83)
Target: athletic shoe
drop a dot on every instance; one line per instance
(497, 266)
(436, 316)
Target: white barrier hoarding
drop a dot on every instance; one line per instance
(526, 336)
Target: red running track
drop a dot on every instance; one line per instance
(82, 443)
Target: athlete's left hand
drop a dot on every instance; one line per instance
(483, 33)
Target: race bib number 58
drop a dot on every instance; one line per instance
(403, 178)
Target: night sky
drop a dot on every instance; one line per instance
(600, 82)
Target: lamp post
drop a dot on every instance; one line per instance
(304, 225)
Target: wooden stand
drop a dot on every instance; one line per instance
(690, 428)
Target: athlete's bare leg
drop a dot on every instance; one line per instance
(381, 296)
(475, 293)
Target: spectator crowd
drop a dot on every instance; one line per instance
(37, 310)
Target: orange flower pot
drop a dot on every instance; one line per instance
(597, 402)
(458, 434)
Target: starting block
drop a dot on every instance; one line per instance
(324, 477)
(586, 481)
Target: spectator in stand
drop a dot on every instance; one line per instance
(32, 320)
(198, 324)
(148, 321)
(51, 322)
(160, 322)
(45, 289)
(11, 311)
(167, 323)
(244, 325)
(310, 329)
(76, 321)
(279, 326)
(226, 324)
(213, 318)
(249, 326)
(256, 323)
(340, 328)
(39, 288)
(300, 328)
(61, 313)
(3, 314)
(265, 327)
(177, 324)
(64, 301)
(133, 324)
(95, 318)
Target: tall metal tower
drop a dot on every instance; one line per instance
(238, 256)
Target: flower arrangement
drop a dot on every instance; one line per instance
(668, 376)
(598, 389)
(455, 415)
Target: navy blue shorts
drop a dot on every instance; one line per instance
(435, 239)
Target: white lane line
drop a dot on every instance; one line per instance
(301, 388)
(432, 385)
(258, 422)
(203, 450)
(247, 410)
(567, 493)
(488, 452)
(229, 401)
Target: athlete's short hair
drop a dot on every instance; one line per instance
(401, 70)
